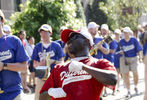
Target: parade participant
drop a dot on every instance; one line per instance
(41, 50)
(112, 47)
(29, 49)
(102, 47)
(13, 59)
(22, 36)
(130, 47)
(62, 44)
(83, 77)
(117, 55)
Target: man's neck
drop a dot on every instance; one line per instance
(46, 41)
(127, 39)
(117, 39)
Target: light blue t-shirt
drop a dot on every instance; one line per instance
(130, 48)
(11, 51)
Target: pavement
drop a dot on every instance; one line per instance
(122, 93)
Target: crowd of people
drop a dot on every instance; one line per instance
(79, 66)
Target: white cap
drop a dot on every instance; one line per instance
(127, 29)
(45, 27)
(117, 31)
(104, 26)
(87, 35)
(63, 28)
(92, 25)
(6, 28)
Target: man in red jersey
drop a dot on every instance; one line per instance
(81, 78)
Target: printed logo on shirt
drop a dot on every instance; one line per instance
(70, 77)
(42, 55)
(128, 48)
(5, 55)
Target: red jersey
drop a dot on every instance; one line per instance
(77, 85)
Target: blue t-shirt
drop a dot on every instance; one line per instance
(99, 54)
(130, 48)
(55, 51)
(110, 56)
(62, 44)
(145, 49)
(117, 56)
(11, 51)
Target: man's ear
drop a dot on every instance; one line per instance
(2, 21)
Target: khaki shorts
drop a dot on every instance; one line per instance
(132, 64)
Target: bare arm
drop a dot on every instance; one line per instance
(17, 67)
(104, 76)
(112, 51)
(104, 50)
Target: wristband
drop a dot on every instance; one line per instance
(5, 66)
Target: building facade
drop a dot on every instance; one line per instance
(10, 6)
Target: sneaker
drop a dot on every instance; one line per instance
(128, 95)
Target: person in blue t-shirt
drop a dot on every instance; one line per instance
(117, 55)
(40, 52)
(102, 47)
(62, 44)
(128, 62)
(13, 60)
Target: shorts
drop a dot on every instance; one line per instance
(31, 67)
(131, 66)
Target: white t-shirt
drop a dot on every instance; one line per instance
(29, 49)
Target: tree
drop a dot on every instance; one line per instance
(94, 13)
(53, 12)
(123, 13)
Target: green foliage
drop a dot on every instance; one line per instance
(123, 13)
(94, 13)
(53, 12)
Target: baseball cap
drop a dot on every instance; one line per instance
(92, 25)
(105, 26)
(2, 14)
(65, 34)
(127, 29)
(63, 28)
(7, 28)
(117, 31)
(45, 27)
